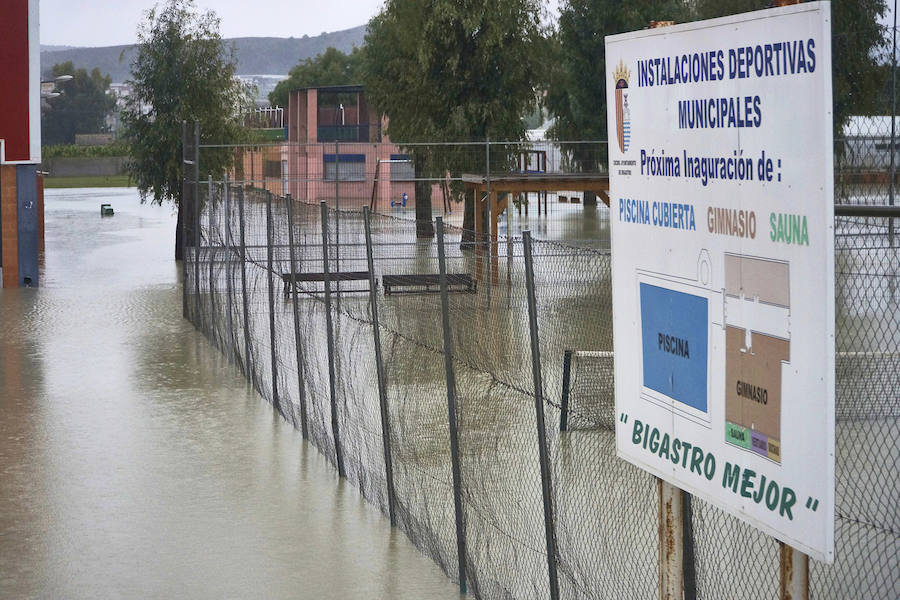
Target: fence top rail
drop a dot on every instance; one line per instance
(478, 143)
(866, 210)
(583, 176)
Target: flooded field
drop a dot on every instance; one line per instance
(136, 461)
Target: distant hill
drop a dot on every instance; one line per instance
(51, 48)
(276, 56)
(106, 59)
(256, 55)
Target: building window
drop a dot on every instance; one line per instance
(349, 167)
(272, 168)
(402, 168)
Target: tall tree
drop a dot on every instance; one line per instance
(81, 107)
(858, 42)
(576, 95)
(443, 70)
(332, 67)
(183, 71)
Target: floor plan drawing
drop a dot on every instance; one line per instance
(757, 345)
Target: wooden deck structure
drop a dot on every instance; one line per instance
(529, 182)
(523, 182)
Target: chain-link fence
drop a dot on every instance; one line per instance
(542, 182)
(867, 402)
(466, 388)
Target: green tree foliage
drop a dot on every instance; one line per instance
(858, 43)
(81, 107)
(444, 70)
(576, 94)
(889, 87)
(333, 67)
(183, 72)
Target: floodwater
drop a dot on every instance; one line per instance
(135, 461)
(574, 223)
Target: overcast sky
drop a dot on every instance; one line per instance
(114, 22)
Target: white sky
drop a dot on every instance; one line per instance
(114, 22)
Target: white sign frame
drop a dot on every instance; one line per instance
(756, 391)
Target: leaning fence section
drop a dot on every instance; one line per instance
(464, 385)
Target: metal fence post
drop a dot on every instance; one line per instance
(893, 123)
(509, 253)
(488, 222)
(229, 284)
(566, 382)
(248, 371)
(301, 387)
(509, 265)
(794, 567)
(671, 542)
(196, 233)
(337, 177)
(329, 330)
(451, 409)
(546, 490)
(270, 242)
(689, 570)
(182, 209)
(337, 217)
(213, 336)
(379, 371)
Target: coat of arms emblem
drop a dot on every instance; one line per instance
(623, 113)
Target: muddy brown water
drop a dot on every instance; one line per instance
(135, 461)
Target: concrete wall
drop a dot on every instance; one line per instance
(78, 167)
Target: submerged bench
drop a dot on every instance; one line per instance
(428, 283)
(290, 279)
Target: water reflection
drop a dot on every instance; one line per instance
(136, 462)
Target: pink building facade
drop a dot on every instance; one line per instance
(336, 149)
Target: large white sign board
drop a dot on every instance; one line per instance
(723, 263)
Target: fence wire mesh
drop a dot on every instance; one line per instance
(282, 285)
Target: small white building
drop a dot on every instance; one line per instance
(867, 144)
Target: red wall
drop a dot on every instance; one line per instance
(14, 123)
